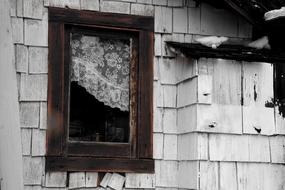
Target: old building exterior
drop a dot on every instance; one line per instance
(212, 129)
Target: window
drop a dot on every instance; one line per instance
(99, 92)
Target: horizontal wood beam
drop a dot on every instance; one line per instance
(99, 164)
(71, 16)
(233, 52)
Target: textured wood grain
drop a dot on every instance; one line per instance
(277, 151)
(139, 9)
(22, 58)
(38, 60)
(145, 100)
(224, 115)
(33, 170)
(140, 181)
(169, 96)
(243, 148)
(91, 179)
(105, 180)
(33, 9)
(258, 109)
(188, 175)
(279, 122)
(115, 7)
(157, 145)
(163, 19)
(170, 147)
(33, 87)
(103, 19)
(99, 164)
(26, 135)
(259, 149)
(89, 5)
(219, 118)
(187, 92)
(55, 179)
(36, 31)
(29, 114)
(180, 20)
(193, 146)
(187, 119)
(116, 181)
(228, 147)
(169, 121)
(166, 173)
(186, 68)
(72, 4)
(228, 176)
(76, 180)
(17, 30)
(209, 176)
(43, 115)
(55, 83)
(38, 142)
(205, 85)
(252, 176)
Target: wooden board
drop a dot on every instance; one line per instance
(11, 172)
(220, 80)
(260, 176)
(228, 176)
(279, 122)
(258, 109)
(209, 175)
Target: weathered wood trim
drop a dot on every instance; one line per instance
(99, 164)
(99, 149)
(145, 106)
(102, 19)
(61, 23)
(233, 52)
(55, 129)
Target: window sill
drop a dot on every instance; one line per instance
(54, 163)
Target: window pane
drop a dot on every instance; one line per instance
(99, 96)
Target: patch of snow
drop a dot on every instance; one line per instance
(274, 14)
(212, 41)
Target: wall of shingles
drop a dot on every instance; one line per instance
(189, 95)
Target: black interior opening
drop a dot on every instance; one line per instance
(91, 120)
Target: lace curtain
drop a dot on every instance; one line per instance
(101, 66)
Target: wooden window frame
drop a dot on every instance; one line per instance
(63, 155)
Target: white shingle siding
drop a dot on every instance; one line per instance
(33, 9)
(22, 58)
(29, 114)
(188, 153)
(92, 5)
(38, 60)
(33, 87)
(55, 179)
(17, 30)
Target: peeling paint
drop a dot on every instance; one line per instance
(258, 130)
(254, 93)
(269, 103)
